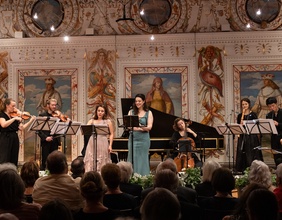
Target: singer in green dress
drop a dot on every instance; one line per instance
(138, 154)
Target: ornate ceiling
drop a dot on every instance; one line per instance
(122, 17)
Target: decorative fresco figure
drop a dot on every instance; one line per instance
(269, 89)
(158, 98)
(101, 79)
(210, 72)
(3, 72)
(50, 93)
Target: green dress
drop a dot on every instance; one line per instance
(141, 146)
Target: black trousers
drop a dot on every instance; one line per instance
(46, 149)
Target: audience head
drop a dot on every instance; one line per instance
(126, 171)
(8, 166)
(111, 175)
(209, 167)
(167, 164)
(160, 204)
(8, 216)
(166, 179)
(262, 205)
(279, 174)
(57, 163)
(92, 186)
(260, 173)
(30, 173)
(11, 188)
(55, 209)
(77, 167)
(223, 180)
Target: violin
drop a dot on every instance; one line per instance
(23, 115)
(59, 115)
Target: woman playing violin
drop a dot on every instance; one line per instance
(9, 127)
(182, 131)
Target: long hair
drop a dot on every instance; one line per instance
(175, 126)
(105, 116)
(153, 89)
(145, 107)
(5, 103)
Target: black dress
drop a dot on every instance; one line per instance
(246, 145)
(9, 142)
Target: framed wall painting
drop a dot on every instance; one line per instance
(32, 86)
(174, 81)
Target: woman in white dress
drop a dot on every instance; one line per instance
(103, 141)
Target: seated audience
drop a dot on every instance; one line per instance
(240, 212)
(161, 204)
(168, 180)
(77, 169)
(55, 209)
(278, 191)
(58, 184)
(114, 198)
(29, 174)
(260, 173)
(262, 205)
(125, 186)
(205, 189)
(222, 203)
(12, 194)
(184, 194)
(92, 189)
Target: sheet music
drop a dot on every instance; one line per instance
(43, 123)
(232, 128)
(260, 126)
(66, 128)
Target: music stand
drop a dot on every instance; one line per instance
(260, 126)
(41, 123)
(231, 129)
(131, 121)
(94, 130)
(184, 146)
(61, 129)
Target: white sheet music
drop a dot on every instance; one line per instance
(260, 126)
(232, 128)
(66, 128)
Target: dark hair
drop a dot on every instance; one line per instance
(245, 100)
(55, 209)
(92, 186)
(111, 175)
(11, 189)
(56, 162)
(271, 100)
(262, 205)
(145, 107)
(223, 180)
(175, 126)
(166, 179)
(30, 173)
(77, 167)
(6, 102)
(95, 116)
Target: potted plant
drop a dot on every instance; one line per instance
(191, 177)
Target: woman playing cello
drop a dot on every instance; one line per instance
(182, 132)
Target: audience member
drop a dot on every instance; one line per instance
(162, 204)
(114, 198)
(8, 216)
(205, 189)
(125, 186)
(55, 209)
(222, 203)
(262, 205)
(58, 184)
(92, 189)
(12, 193)
(29, 174)
(260, 173)
(240, 212)
(184, 194)
(77, 169)
(278, 191)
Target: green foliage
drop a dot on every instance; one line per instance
(145, 181)
(242, 180)
(191, 177)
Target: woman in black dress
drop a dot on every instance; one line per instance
(247, 143)
(9, 126)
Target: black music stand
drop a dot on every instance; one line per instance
(129, 122)
(41, 123)
(184, 146)
(260, 126)
(231, 129)
(61, 129)
(94, 130)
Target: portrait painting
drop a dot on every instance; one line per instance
(164, 88)
(35, 89)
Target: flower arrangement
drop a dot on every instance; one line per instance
(145, 181)
(242, 180)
